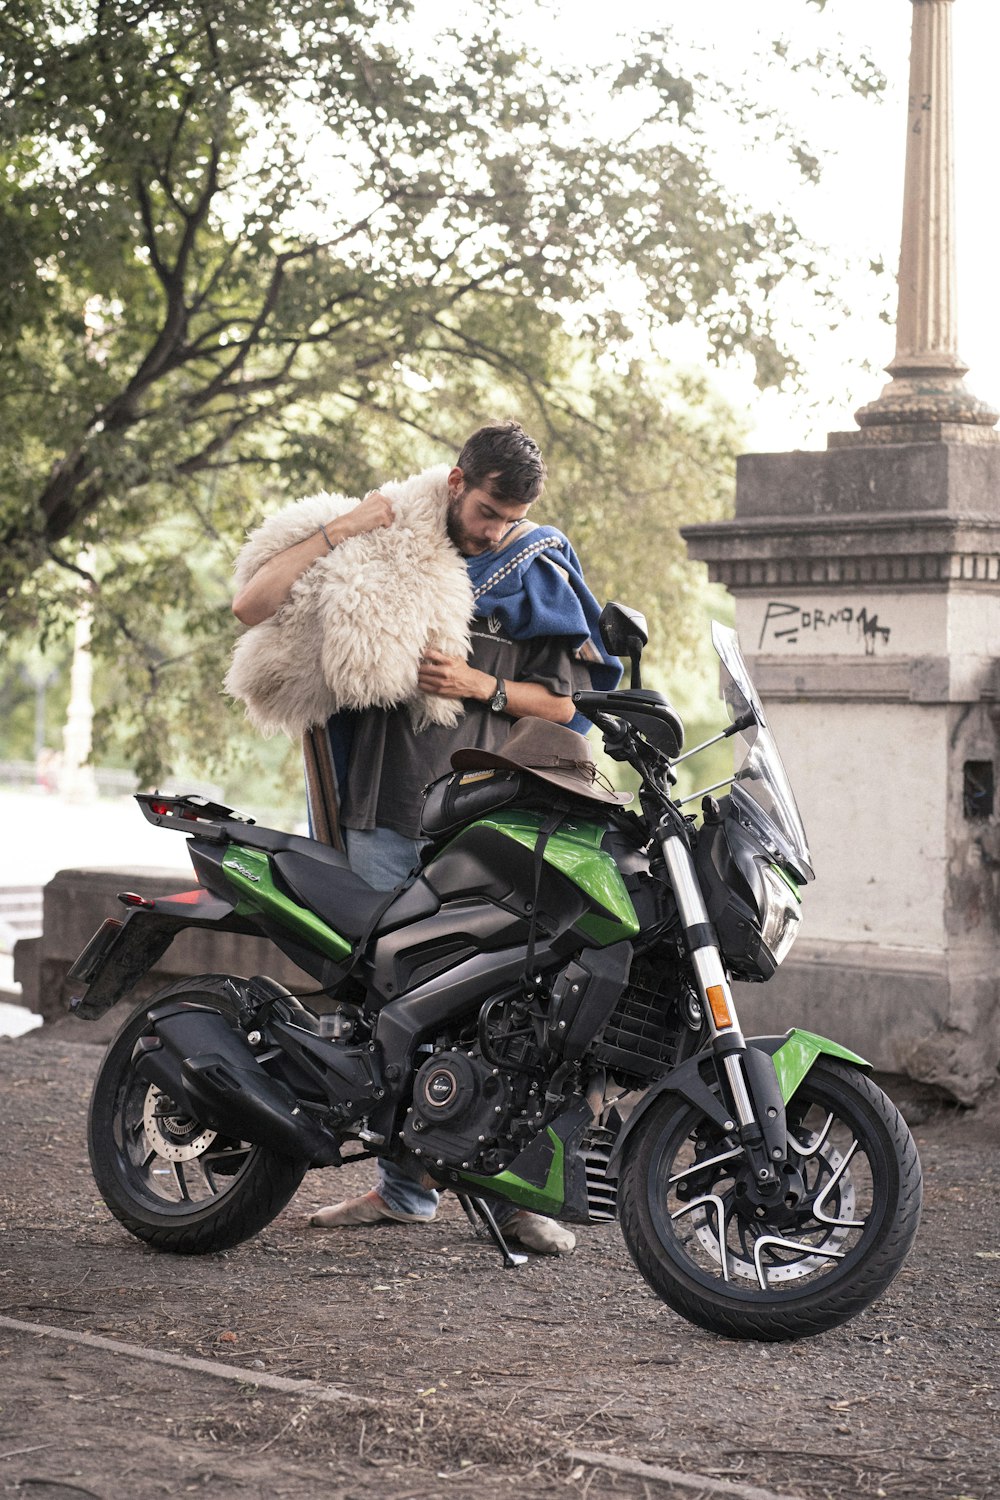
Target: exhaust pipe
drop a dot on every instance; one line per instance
(203, 1063)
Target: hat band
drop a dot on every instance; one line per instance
(586, 769)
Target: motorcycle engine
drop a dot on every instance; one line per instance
(462, 1109)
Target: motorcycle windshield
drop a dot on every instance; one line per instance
(760, 775)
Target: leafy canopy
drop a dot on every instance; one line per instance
(254, 249)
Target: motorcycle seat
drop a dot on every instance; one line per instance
(323, 881)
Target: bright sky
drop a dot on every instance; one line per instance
(857, 210)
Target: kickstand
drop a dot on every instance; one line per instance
(478, 1213)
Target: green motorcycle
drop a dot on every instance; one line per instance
(542, 1012)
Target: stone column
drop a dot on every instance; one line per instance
(927, 370)
(867, 587)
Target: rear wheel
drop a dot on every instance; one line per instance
(165, 1176)
(831, 1243)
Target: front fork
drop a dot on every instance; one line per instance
(752, 1083)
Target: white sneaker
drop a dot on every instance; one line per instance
(536, 1232)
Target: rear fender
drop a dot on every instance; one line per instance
(792, 1055)
(114, 961)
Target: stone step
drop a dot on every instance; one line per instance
(20, 914)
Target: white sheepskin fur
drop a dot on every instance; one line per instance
(358, 620)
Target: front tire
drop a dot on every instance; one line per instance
(168, 1179)
(828, 1248)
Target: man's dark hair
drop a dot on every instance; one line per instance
(503, 460)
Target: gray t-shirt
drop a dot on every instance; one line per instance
(391, 763)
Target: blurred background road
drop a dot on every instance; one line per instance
(42, 832)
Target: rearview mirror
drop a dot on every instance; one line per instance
(624, 632)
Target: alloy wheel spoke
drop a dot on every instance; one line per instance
(212, 1159)
(819, 1141)
(767, 1240)
(701, 1166)
(821, 1197)
(225, 1153)
(713, 1200)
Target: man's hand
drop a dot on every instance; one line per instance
(451, 677)
(270, 586)
(374, 511)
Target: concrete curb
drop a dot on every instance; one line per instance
(701, 1484)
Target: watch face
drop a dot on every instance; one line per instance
(499, 700)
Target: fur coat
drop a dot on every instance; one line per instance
(353, 629)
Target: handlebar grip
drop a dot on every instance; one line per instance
(594, 706)
(588, 695)
(590, 704)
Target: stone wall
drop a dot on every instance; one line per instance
(76, 902)
(866, 587)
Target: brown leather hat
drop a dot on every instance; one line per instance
(550, 751)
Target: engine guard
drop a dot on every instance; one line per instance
(792, 1054)
(549, 1175)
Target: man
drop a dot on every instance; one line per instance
(532, 646)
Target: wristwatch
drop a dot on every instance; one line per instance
(499, 700)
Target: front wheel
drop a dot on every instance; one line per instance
(164, 1175)
(828, 1246)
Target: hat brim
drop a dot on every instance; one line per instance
(478, 760)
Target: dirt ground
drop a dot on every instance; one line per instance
(461, 1378)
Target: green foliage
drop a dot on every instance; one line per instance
(255, 250)
(34, 688)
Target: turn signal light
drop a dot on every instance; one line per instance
(719, 1006)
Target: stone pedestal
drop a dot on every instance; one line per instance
(867, 586)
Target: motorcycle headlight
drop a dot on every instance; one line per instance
(781, 914)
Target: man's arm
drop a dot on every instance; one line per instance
(450, 677)
(270, 586)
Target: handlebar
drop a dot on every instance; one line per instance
(616, 734)
(588, 700)
(621, 739)
(594, 706)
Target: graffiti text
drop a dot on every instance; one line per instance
(787, 624)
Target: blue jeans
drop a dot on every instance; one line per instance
(384, 858)
(381, 856)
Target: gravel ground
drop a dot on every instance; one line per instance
(455, 1377)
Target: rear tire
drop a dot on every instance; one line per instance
(170, 1181)
(827, 1249)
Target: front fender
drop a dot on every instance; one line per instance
(792, 1055)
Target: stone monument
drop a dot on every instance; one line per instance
(867, 588)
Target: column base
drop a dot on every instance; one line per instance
(917, 397)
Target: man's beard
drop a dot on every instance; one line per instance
(459, 537)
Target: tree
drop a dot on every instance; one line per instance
(252, 248)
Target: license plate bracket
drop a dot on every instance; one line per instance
(96, 951)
